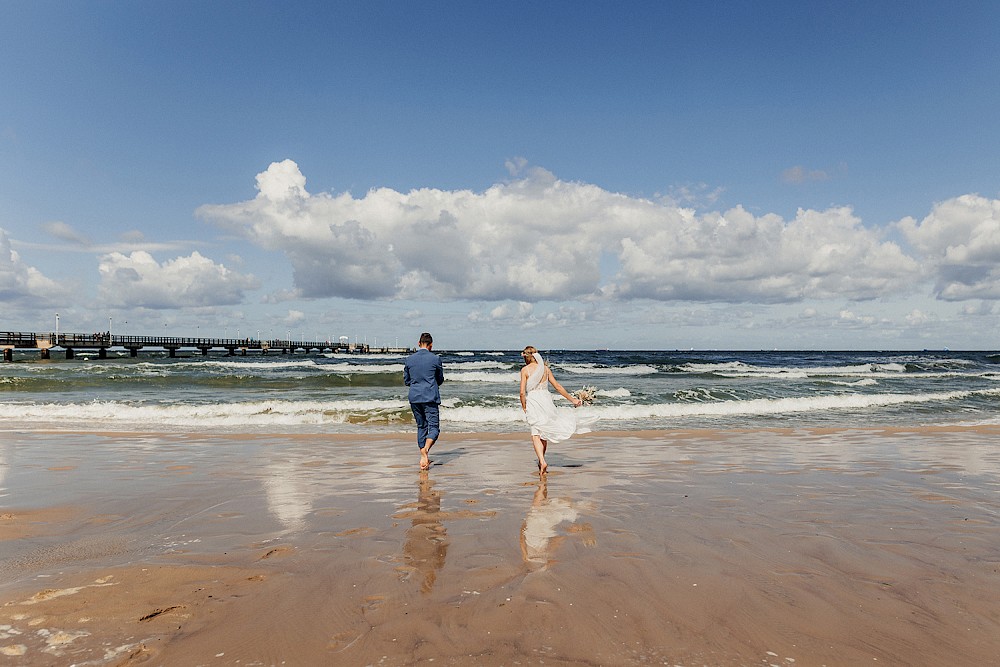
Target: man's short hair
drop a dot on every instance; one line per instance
(425, 339)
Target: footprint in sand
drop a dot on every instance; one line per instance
(277, 551)
(342, 640)
(373, 602)
(159, 612)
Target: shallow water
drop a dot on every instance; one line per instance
(818, 546)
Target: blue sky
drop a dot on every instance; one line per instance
(563, 174)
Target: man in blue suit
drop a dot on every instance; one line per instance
(423, 373)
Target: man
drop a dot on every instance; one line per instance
(423, 373)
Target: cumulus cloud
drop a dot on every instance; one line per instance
(960, 241)
(21, 282)
(538, 238)
(138, 280)
(534, 238)
(735, 256)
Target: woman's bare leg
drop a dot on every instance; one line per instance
(540, 445)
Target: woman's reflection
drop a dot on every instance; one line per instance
(539, 538)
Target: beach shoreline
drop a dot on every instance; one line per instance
(759, 546)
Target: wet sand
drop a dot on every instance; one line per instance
(769, 547)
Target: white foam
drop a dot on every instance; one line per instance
(763, 406)
(108, 414)
(362, 369)
(476, 365)
(367, 357)
(256, 364)
(739, 369)
(597, 369)
(252, 413)
(496, 378)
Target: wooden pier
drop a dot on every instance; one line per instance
(71, 343)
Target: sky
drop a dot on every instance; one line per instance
(570, 175)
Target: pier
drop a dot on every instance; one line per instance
(71, 343)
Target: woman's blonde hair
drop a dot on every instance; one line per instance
(528, 353)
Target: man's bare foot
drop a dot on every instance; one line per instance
(425, 462)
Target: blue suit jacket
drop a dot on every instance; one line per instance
(423, 372)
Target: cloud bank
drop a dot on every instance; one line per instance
(541, 238)
(961, 241)
(138, 280)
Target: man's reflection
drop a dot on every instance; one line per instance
(426, 540)
(539, 538)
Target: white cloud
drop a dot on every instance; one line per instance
(917, 317)
(960, 241)
(20, 282)
(138, 280)
(539, 238)
(532, 239)
(519, 313)
(799, 174)
(849, 317)
(281, 181)
(978, 308)
(737, 257)
(62, 231)
(697, 195)
(294, 317)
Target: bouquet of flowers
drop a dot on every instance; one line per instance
(586, 394)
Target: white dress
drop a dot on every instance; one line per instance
(545, 419)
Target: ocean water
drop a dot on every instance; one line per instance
(341, 393)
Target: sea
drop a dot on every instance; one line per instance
(364, 393)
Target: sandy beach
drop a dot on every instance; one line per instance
(764, 547)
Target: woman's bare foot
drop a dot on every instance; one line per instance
(543, 467)
(425, 462)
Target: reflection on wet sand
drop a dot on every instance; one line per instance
(426, 543)
(288, 496)
(539, 538)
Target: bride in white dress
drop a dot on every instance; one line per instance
(547, 422)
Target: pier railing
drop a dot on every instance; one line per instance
(101, 341)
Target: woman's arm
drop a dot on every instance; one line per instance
(558, 387)
(524, 382)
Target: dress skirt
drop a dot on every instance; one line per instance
(552, 423)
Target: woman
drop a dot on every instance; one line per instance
(547, 422)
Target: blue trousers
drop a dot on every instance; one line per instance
(428, 418)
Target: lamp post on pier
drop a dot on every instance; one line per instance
(57, 328)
